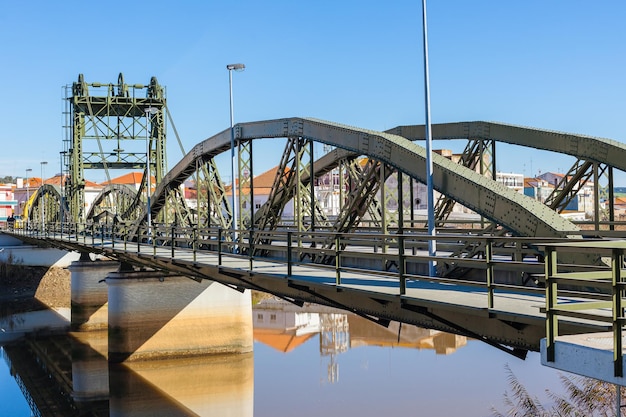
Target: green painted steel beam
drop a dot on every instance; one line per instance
(104, 116)
(518, 213)
(601, 150)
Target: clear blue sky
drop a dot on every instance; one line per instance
(557, 65)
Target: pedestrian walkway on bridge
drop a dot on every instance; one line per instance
(510, 317)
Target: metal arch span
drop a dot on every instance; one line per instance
(601, 150)
(520, 214)
(125, 197)
(51, 199)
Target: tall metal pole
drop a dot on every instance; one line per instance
(234, 223)
(41, 200)
(432, 244)
(62, 208)
(149, 111)
(28, 171)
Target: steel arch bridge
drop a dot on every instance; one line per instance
(365, 160)
(384, 151)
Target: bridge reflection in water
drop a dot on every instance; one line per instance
(85, 383)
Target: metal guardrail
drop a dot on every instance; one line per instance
(395, 255)
(600, 292)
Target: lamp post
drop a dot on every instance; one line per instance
(41, 201)
(28, 171)
(432, 244)
(149, 111)
(234, 225)
(62, 208)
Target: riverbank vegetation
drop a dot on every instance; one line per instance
(584, 397)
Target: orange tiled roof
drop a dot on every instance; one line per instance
(131, 178)
(57, 180)
(279, 340)
(262, 183)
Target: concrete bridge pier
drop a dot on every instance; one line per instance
(90, 293)
(156, 316)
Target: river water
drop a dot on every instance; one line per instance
(313, 361)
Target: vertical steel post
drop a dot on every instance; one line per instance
(552, 321)
(219, 246)
(149, 111)
(432, 243)
(233, 159)
(289, 255)
(173, 242)
(42, 201)
(401, 265)
(194, 243)
(617, 260)
(337, 260)
(490, 276)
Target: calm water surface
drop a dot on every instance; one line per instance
(306, 362)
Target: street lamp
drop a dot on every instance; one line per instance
(41, 201)
(62, 208)
(28, 171)
(432, 243)
(149, 111)
(231, 68)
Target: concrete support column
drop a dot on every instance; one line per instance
(90, 294)
(153, 316)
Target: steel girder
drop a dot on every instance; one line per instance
(601, 151)
(604, 151)
(114, 117)
(115, 201)
(245, 190)
(213, 204)
(473, 157)
(50, 199)
(521, 215)
(293, 181)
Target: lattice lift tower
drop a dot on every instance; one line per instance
(99, 127)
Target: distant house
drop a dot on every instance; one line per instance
(537, 188)
(8, 203)
(511, 180)
(583, 201)
(262, 186)
(133, 179)
(620, 208)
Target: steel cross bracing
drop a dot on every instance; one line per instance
(114, 203)
(213, 204)
(522, 215)
(245, 189)
(478, 155)
(117, 118)
(515, 213)
(596, 150)
(292, 181)
(48, 199)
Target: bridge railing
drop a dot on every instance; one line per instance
(599, 293)
(511, 264)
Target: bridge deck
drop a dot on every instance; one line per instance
(515, 318)
(517, 305)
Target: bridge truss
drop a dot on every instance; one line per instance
(100, 127)
(374, 173)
